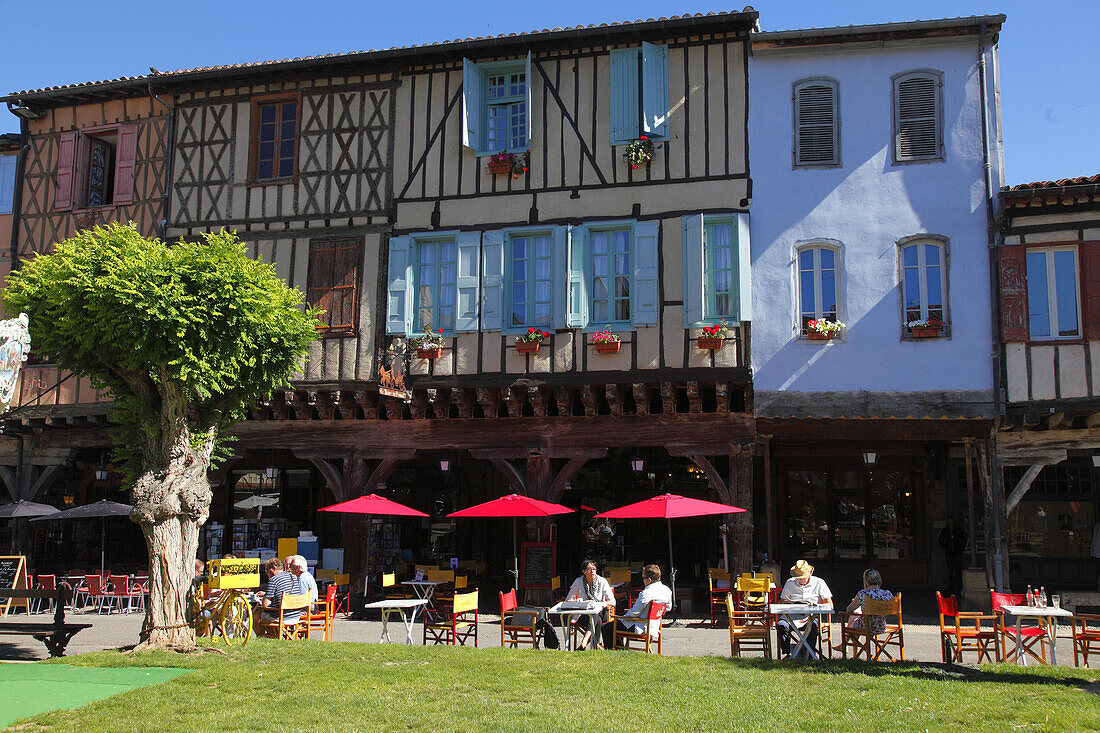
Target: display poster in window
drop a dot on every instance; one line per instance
(537, 565)
(13, 575)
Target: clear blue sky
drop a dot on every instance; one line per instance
(1050, 99)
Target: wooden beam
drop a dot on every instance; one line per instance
(1024, 457)
(769, 498)
(641, 398)
(1084, 439)
(515, 478)
(716, 481)
(379, 475)
(569, 470)
(1021, 487)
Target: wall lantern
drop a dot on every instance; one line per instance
(637, 464)
(444, 465)
(271, 472)
(870, 457)
(69, 499)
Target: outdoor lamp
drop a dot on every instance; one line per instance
(444, 465)
(1096, 461)
(69, 498)
(637, 464)
(271, 472)
(101, 474)
(870, 457)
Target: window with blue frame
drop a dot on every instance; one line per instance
(436, 278)
(611, 275)
(639, 93)
(1053, 305)
(496, 105)
(924, 282)
(720, 253)
(530, 263)
(7, 183)
(817, 284)
(434, 282)
(717, 282)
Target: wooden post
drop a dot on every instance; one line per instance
(769, 499)
(740, 492)
(971, 523)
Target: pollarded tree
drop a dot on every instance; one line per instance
(184, 336)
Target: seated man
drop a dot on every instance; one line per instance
(279, 582)
(655, 591)
(802, 587)
(296, 564)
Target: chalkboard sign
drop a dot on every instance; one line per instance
(13, 574)
(537, 565)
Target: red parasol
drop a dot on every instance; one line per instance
(513, 505)
(373, 504)
(669, 507)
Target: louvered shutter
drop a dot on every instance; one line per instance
(1012, 281)
(694, 268)
(1090, 265)
(655, 90)
(7, 183)
(125, 160)
(399, 290)
(744, 269)
(916, 112)
(559, 284)
(66, 163)
(473, 103)
(578, 274)
(492, 280)
(815, 124)
(624, 95)
(467, 281)
(643, 301)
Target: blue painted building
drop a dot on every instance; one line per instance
(875, 156)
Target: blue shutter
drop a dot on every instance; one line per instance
(643, 301)
(7, 183)
(694, 279)
(624, 95)
(655, 90)
(744, 268)
(473, 105)
(559, 278)
(578, 274)
(492, 280)
(399, 295)
(467, 280)
(530, 108)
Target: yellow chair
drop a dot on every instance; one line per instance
(326, 574)
(874, 646)
(293, 629)
(458, 625)
(718, 585)
(654, 614)
(390, 589)
(748, 629)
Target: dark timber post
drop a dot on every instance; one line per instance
(740, 524)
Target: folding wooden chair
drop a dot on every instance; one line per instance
(1086, 637)
(962, 631)
(1031, 636)
(874, 646)
(320, 616)
(516, 628)
(343, 594)
(718, 584)
(456, 626)
(289, 629)
(748, 629)
(645, 639)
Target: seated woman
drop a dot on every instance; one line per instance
(590, 587)
(872, 588)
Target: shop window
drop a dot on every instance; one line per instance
(273, 153)
(95, 167)
(1055, 518)
(1053, 304)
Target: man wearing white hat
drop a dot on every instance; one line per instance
(802, 587)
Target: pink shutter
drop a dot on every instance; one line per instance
(66, 160)
(1013, 286)
(125, 157)
(1090, 285)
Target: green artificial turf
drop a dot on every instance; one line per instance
(317, 686)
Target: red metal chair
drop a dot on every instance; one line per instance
(120, 590)
(962, 631)
(45, 582)
(1030, 636)
(93, 591)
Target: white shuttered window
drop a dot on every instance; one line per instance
(817, 130)
(918, 115)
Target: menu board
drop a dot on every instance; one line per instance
(536, 565)
(13, 574)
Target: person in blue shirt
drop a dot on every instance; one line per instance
(654, 592)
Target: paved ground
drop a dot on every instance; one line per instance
(695, 638)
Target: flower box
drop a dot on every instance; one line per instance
(429, 352)
(925, 332)
(607, 347)
(528, 347)
(704, 342)
(819, 336)
(496, 167)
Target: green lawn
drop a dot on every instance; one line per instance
(316, 686)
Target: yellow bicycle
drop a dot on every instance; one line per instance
(228, 613)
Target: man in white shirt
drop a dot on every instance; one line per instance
(654, 592)
(296, 564)
(802, 587)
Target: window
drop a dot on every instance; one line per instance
(816, 138)
(716, 269)
(7, 183)
(274, 151)
(613, 275)
(924, 281)
(333, 284)
(639, 93)
(610, 252)
(918, 112)
(530, 260)
(1053, 309)
(817, 284)
(96, 167)
(496, 105)
(434, 283)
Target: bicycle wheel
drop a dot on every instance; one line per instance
(236, 621)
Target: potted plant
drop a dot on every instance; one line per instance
(504, 162)
(530, 342)
(639, 152)
(428, 346)
(926, 328)
(713, 337)
(822, 330)
(606, 342)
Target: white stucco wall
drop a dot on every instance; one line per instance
(867, 205)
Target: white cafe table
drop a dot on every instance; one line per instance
(590, 608)
(398, 606)
(424, 588)
(1047, 612)
(789, 611)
